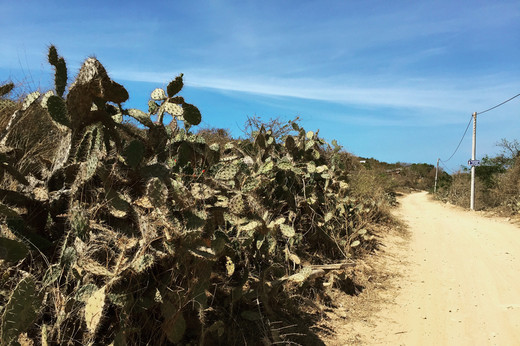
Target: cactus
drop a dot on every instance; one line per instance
(12, 250)
(53, 55)
(191, 114)
(140, 116)
(174, 326)
(92, 85)
(91, 147)
(78, 220)
(227, 172)
(142, 263)
(51, 274)
(287, 230)
(158, 95)
(58, 110)
(29, 100)
(85, 292)
(155, 220)
(134, 153)
(179, 100)
(94, 267)
(60, 74)
(20, 311)
(94, 309)
(173, 109)
(202, 191)
(45, 98)
(175, 86)
(237, 205)
(60, 78)
(157, 192)
(6, 89)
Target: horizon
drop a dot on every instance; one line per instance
(395, 82)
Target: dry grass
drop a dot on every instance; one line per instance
(350, 321)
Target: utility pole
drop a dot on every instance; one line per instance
(436, 172)
(473, 158)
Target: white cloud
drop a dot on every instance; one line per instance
(428, 94)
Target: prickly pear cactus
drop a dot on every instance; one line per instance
(94, 309)
(60, 67)
(6, 89)
(154, 232)
(20, 311)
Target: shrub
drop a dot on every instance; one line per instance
(128, 234)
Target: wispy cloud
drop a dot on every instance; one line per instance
(433, 94)
(359, 63)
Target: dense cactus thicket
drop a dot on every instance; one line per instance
(145, 234)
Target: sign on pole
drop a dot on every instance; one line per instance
(474, 163)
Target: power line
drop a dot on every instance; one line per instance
(498, 105)
(469, 123)
(447, 169)
(460, 142)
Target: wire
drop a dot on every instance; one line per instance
(469, 123)
(447, 169)
(498, 105)
(458, 146)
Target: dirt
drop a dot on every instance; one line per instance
(454, 281)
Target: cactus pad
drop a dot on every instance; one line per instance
(173, 109)
(58, 110)
(29, 100)
(158, 95)
(94, 309)
(238, 205)
(227, 172)
(53, 55)
(287, 230)
(191, 114)
(175, 86)
(140, 116)
(20, 311)
(12, 250)
(134, 153)
(6, 89)
(156, 192)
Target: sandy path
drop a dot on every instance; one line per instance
(461, 279)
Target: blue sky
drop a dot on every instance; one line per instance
(394, 80)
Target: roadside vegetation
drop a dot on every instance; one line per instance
(123, 226)
(497, 182)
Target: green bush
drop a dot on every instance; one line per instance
(116, 233)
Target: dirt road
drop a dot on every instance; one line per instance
(460, 281)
